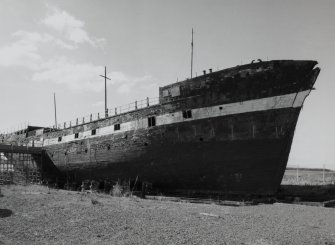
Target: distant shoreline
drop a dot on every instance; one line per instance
(310, 169)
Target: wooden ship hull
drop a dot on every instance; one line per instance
(207, 154)
(228, 131)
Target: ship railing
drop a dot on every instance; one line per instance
(136, 105)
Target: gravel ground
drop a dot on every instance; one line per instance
(43, 216)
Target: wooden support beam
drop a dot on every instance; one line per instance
(20, 149)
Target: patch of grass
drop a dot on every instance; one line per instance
(82, 196)
(117, 190)
(95, 201)
(121, 190)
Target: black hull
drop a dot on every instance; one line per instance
(198, 155)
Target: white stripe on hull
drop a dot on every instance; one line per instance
(276, 102)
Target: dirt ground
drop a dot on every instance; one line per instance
(38, 215)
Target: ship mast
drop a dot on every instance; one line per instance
(55, 110)
(105, 76)
(192, 55)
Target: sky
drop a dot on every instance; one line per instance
(62, 46)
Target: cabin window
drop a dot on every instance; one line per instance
(93, 132)
(175, 91)
(59, 138)
(76, 135)
(151, 121)
(187, 114)
(116, 127)
(166, 93)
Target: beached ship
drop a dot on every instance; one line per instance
(228, 131)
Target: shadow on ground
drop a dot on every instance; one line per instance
(5, 212)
